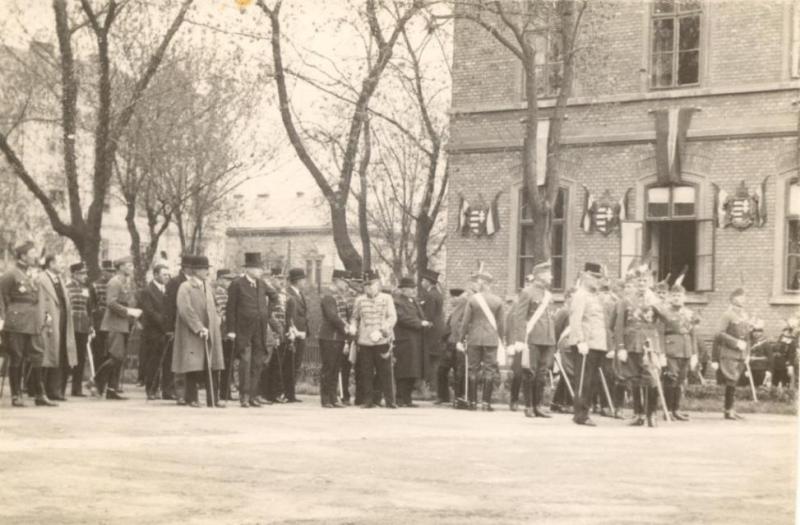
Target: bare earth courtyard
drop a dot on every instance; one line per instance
(131, 462)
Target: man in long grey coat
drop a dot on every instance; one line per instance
(58, 337)
(198, 340)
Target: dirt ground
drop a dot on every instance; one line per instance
(92, 461)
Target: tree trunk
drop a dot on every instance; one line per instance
(341, 237)
(423, 235)
(139, 269)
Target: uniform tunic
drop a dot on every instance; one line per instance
(735, 326)
(24, 318)
(637, 328)
(679, 343)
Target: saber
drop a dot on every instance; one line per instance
(212, 392)
(650, 356)
(564, 375)
(605, 389)
(583, 372)
(92, 371)
(3, 369)
(466, 376)
(750, 377)
(341, 390)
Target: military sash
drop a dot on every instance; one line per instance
(501, 349)
(526, 351)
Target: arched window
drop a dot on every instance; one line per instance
(558, 247)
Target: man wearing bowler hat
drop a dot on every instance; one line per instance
(408, 333)
(297, 329)
(432, 302)
(246, 317)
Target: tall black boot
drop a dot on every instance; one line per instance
(473, 391)
(538, 399)
(488, 386)
(730, 413)
(676, 405)
(651, 397)
(37, 382)
(638, 409)
(15, 383)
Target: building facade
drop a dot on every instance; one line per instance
(731, 217)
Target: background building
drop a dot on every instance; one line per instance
(736, 63)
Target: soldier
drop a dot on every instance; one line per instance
(587, 335)
(155, 330)
(22, 321)
(198, 342)
(373, 321)
(172, 384)
(562, 400)
(297, 330)
(224, 279)
(333, 334)
(58, 336)
(98, 290)
(638, 345)
(432, 303)
(117, 324)
(348, 361)
(733, 348)
(608, 378)
(453, 358)
(680, 348)
(247, 315)
(408, 334)
(534, 336)
(83, 307)
(481, 327)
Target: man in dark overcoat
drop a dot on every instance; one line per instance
(152, 301)
(408, 340)
(433, 347)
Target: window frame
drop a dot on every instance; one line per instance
(546, 66)
(522, 223)
(787, 218)
(671, 203)
(675, 16)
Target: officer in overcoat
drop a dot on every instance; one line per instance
(408, 334)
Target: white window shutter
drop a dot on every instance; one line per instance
(631, 242)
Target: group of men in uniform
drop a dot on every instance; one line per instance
(610, 341)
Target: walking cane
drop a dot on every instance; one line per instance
(212, 391)
(90, 384)
(466, 376)
(605, 388)
(3, 369)
(390, 357)
(564, 375)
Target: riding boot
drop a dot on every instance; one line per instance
(473, 390)
(488, 385)
(676, 404)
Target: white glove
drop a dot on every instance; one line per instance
(790, 371)
(767, 379)
(715, 366)
(741, 345)
(518, 347)
(610, 354)
(2, 323)
(622, 355)
(301, 335)
(203, 333)
(426, 324)
(134, 312)
(583, 348)
(460, 347)
(693, 362)
(662, 360)
(231, 336)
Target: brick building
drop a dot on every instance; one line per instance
(736, 62)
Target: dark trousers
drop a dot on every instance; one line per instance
(274, 388)
(145, 351)
(405, 387)
(56, 377)
(156, 349)
(372, 363)
(483, 366)
(81, 341)
(24, 358)
(535, 378)
(99, 348)
(291, 366)
(344, 372)
(516, 378)
(447, 363)
(169, 386)
(107, 375)
(330, 353)
(226, 377)
(200, 377)
(251, 353)
(583, 399)
(460, 375)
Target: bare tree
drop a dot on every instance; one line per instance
(111, 116)
(382, 42)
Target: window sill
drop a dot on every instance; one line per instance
(785, 299)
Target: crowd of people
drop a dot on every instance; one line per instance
(243, 337)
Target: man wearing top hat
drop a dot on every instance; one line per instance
(587, 324)
(82, 303)
(333, 334)
(198, 342)
(297, 329)
(534, 336)
(22, 323)
(481, 329)
(373, 323)
(432, 302)
(246, 317)
(408, 333)
(152, 301)
(58, 336)
(120, 313)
